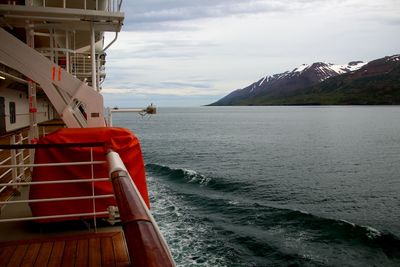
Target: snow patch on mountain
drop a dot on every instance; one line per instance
(394, 58)
(301, 68)
(351, 66)
(323, 70)
(262, 80)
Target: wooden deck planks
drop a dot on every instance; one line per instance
(107, 252)
(94, 255)
(18, 255)
(82, 252)
(101, 249)
(69, 253)
(44, 254)
(56, 254)
(5, 254)
(120, 251)
(31, 255)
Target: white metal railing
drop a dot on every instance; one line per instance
(95, 213)
(108, 5)
(17, 158)
(81, 67)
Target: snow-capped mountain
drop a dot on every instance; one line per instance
(286, 82)
(304, 77)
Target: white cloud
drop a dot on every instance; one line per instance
(211, 47)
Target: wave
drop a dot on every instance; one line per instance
(182, 175)
(186, 175)
(324, 230)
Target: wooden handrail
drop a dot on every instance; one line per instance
(146, 246)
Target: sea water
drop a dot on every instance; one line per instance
(275, 186)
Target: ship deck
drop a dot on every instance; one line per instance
(26, 243)
(91, 249)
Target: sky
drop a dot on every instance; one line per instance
(194, 52)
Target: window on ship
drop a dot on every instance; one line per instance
(12, 113)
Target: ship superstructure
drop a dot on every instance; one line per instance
(59, 47)
(52, 65)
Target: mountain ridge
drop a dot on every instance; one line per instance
(306, 80)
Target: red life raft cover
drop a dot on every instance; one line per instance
(120, 140)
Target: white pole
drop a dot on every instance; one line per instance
(93, 58)
(67, 51)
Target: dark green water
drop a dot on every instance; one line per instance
(275, 186)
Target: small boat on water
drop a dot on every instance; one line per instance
(72, 188)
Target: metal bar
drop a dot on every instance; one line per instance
(128, 110)
(93, 200)
(54, 199)
(13, 77)
(67, 63)
(13, 153)
(51, 44)
(47, 50)
(58, 182)
(4, 161)
(19, 176)
(64, 145)
(93, 58)
(20, 156)
(4, 174)
(4, 187)
(53, 217)
(115, 39)
(54, 164)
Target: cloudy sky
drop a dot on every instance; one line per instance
(193, 52)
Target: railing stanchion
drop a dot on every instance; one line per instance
(93, 201)
(13, 153)
(20, 160)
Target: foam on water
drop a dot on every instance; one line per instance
(188, 237)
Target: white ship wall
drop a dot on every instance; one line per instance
(45, 110)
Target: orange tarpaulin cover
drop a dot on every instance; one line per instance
(120, 140)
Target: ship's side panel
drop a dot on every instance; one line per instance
(14, 110)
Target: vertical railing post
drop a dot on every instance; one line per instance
(93, 57)
(20, 159)
(67, 63)
(13, 155)
(93, 193)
